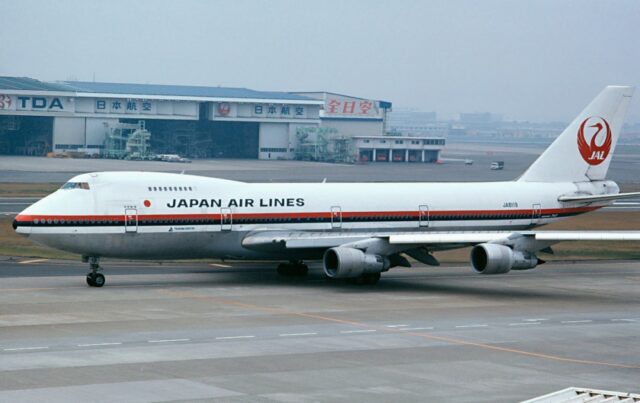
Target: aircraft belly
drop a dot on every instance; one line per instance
(149, 245)
(209, 244)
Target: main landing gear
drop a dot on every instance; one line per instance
(293, 268)
(365, 279)
(95, 279)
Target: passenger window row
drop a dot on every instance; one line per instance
(169, 188)
(62, 221)
(178, 221)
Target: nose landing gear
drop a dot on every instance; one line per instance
(95, 279)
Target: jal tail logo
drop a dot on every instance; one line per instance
(596, 150)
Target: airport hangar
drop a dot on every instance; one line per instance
(37, 118)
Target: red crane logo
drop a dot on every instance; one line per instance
(591, 152)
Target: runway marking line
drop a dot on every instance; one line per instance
(234, 337)
(567, 322)
(167, 340)
(358, 331)
(429, 336)
(524, 323)
(417, 328)
(33, 261)
(470, 326)
(99, 344)
(25, 348)
(226, 266)
(297, 334)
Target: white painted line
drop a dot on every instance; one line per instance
(396, 326)
(576, 321)
(226, 266)
(534, 320)
(418, 328)
(234, 337)
(98, 344)
(469, 326)
(25, 348)
(297, 334)
(167, 340)
(623, 320)
(357, 331)
(524, 323)
(33, 261)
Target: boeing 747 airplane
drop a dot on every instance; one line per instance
(358, 230)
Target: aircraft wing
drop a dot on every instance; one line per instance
(598, 198)
(482, 237)
(283, 240)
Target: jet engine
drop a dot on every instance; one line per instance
(488, 258)
(341, 262)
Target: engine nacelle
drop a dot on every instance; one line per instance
(343, 262)
(489, 258)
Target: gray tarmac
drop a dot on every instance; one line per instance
(625, 167)
(220, 331)
(239, 332)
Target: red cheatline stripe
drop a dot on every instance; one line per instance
(345, 214)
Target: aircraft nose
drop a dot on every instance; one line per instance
(22, 225)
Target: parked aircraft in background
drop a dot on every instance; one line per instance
(359, 230)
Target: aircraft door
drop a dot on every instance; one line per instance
(336, 217)
(536, 213)
(423, 216)
(130, 220)
(226, 219)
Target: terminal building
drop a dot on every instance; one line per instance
(38, 118)
(398, 148)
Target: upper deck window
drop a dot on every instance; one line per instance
(75, 185)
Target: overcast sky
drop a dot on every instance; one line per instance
(527, 60)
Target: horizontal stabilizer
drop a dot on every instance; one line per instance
(598, 198)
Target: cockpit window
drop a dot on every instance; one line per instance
(75, 185)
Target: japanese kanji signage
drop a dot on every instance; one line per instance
(131, 106)
(354, 107)
(279, 111)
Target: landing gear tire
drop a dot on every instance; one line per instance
(293, 269)
(95, 279)
(366, 279)
(98, 280)
(302, 270)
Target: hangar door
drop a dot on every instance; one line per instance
(233, 139)
(26, 135)
(204, 139)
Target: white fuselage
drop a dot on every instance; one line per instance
(158, 215)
